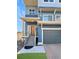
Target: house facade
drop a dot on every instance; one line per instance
(42, 21)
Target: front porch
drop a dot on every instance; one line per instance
(35, 49)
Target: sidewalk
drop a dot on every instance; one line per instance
(35, 49)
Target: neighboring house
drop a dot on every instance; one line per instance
(19, 35)
(42, 21)
(20, 41)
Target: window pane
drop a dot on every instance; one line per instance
(45, 0)
(41, 17)
(50, 18)
(59, 0)
(47, 18)
(51, 0)
(58, 17)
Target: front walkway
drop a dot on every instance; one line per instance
(35, 49)
(53, 51)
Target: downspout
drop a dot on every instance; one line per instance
(54, 14)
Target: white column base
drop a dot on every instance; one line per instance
(40, 43)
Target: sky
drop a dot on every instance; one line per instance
(20, 13)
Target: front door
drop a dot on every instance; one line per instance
(33, 30)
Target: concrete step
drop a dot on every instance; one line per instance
(30, 41)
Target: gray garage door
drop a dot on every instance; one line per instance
(51, 36)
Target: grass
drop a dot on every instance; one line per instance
(32, 56)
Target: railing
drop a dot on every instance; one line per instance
(31, 15)
(26, 38)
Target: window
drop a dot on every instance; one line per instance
(31, 11)
(51, 0)
(48, 0)
(45, 0)
(59, 0)
(58, 17)
(41, 17)
(47, 18)
(50, 18)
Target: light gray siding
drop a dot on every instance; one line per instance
(56, 3)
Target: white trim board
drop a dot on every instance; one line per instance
(51, 28)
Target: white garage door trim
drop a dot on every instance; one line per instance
(48, 29)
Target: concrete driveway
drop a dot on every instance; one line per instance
(53, 51)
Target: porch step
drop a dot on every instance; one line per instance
(30, 41)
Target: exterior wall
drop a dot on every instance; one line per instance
(39, 34)
(32, 8)
(45, 26)
(56, 3)
(31, 2)
(25, 29)
(48, 13)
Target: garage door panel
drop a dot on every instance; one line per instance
(51, 36)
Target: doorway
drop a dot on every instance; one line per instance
(32, 34)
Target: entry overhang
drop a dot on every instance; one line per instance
(30, 19)
(49, 22)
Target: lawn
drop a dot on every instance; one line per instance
(32, 56)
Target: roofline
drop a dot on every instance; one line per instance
(42, 7)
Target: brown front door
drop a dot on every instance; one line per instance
(33, 30)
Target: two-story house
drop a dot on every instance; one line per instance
(42, 22)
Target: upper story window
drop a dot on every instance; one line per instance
(51, 0)
(45, 0)
(58, 17)
(60, 1)
(48, 0)
(47, 18)
(31, 11)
